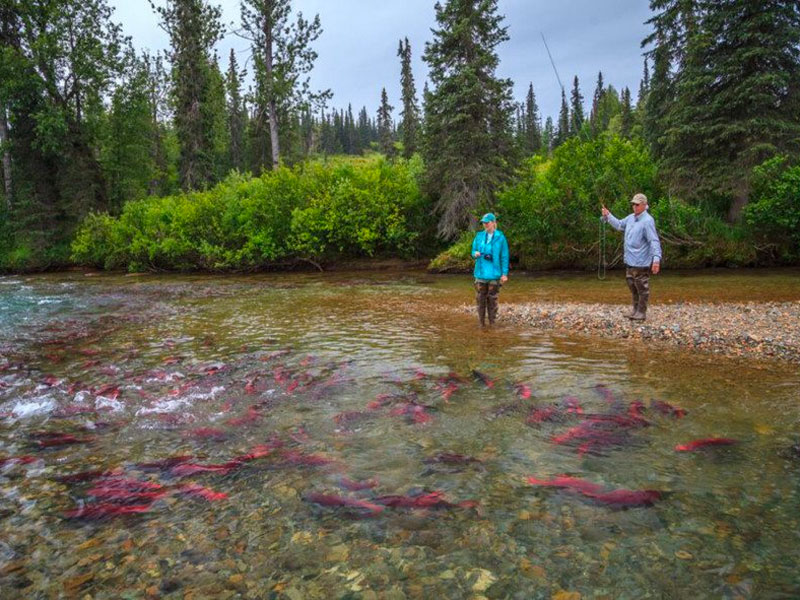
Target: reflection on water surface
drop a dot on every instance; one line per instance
(349, 436)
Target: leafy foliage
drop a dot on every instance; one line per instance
(317, 211)
(774, 212)
(551, 212)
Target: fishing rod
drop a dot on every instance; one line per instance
(601, 231)
(552, 62)
(601, 249)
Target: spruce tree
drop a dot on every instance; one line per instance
(236, 114)
(353, 140)
(364, 134)
(469, 147)
(216, 113)
(576, 112)
(385, 125)
(532, 128)
(668, 40)
(562, 132)
(644, 85)
(409, 122)
(626, 116)
(194, 27)
(596, 101)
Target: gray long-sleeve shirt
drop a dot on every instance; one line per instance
(642, 246)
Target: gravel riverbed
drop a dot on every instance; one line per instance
(768, 330)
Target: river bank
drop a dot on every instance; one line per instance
(763, 330)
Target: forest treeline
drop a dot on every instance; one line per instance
(187, 160)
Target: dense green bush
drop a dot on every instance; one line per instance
(551, 212)
(774, 212)
(320, 211)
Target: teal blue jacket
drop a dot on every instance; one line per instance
(498, 266)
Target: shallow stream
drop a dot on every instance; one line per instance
(350, 435)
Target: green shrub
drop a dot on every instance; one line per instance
(551, 212)
(318, 210)
(774, 211)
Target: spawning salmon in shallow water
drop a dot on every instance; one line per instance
(705, 443)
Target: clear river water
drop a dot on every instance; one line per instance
(351, 435)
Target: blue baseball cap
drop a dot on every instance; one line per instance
(488, 217)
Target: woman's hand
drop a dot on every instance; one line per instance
(504, 278)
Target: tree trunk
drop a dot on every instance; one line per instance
(740, 200)
(273, 109)
(6, 155)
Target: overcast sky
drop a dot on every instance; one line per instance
(358, 47)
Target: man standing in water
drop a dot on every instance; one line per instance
(490, 252)
(642, 252)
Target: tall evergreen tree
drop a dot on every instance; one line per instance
(364, 133)
(9, 40)
(563, 127)
(596, 101)
(668, 40)
(469, 147)
(236, 113)
(644, 85)
(533, 127)
(194, 27)
(576, 106)
(385, 125)
(409, 123)
(353, 140)
(626, 116)
(283, 58)
(216, 110)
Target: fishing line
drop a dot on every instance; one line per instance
(601, 249)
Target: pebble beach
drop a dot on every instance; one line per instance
(764, 330)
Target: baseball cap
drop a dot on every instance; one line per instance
(488, 217)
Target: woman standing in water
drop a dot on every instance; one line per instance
(490, 252)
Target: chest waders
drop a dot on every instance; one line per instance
(638, 280)
(486, 300)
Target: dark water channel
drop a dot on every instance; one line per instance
(324, 436)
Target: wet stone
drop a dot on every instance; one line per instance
(168, 586)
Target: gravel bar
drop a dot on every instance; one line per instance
(764, 330)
